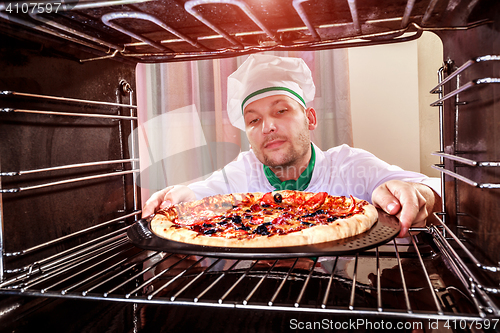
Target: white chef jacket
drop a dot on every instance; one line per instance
(339, 171)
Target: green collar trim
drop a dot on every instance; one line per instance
(298, 185)
(261, 91)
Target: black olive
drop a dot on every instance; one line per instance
(267, 223)
(320, 212)
(236, 219)
(243, 227)
(209, 231)
(309, 215)
(208, 225)
(309, 224)
(331, 219)
(222, 222)
(262, 230)
(265, 205)
(278, 198)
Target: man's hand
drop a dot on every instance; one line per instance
(412, 203)
(166, 197)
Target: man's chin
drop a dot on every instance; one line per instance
(277, 163)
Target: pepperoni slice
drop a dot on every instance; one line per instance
(341, 209)
(268, 199)
(283, 219)
(316, 201)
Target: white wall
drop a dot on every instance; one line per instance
(387, 85)
(430, 59)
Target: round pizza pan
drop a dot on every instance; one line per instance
(385, 229)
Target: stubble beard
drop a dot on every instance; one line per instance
(288, 160)
(291, 156)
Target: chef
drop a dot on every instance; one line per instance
(267, 98)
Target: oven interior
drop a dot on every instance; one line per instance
(68, 168)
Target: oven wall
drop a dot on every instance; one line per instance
(471, 131)
(30, 141)
(34, 141)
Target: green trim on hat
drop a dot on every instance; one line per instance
(298, 185)
(261, 91)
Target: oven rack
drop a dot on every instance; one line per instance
(124, 166)
(356, 29)
(439, 90)
(133, 118)
(453, 157)
(404, 282)
(468, 162)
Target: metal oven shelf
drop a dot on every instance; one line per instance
(401, 279)
(148, 35)
(465, 166)
(13, 182)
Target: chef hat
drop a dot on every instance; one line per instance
(267, 75)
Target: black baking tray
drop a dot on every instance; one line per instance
(385, 229)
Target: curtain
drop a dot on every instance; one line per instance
(184, 132)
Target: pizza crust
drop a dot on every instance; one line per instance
(162, 226)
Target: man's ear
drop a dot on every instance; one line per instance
(311, 118)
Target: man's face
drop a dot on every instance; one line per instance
(278, 130)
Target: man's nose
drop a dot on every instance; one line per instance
(268, 126)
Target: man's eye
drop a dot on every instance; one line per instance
(253, 121)
(282, 111)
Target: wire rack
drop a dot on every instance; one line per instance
(408, 278)
(161, 31)
(12, 182)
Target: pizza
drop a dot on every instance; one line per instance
(273, 219)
